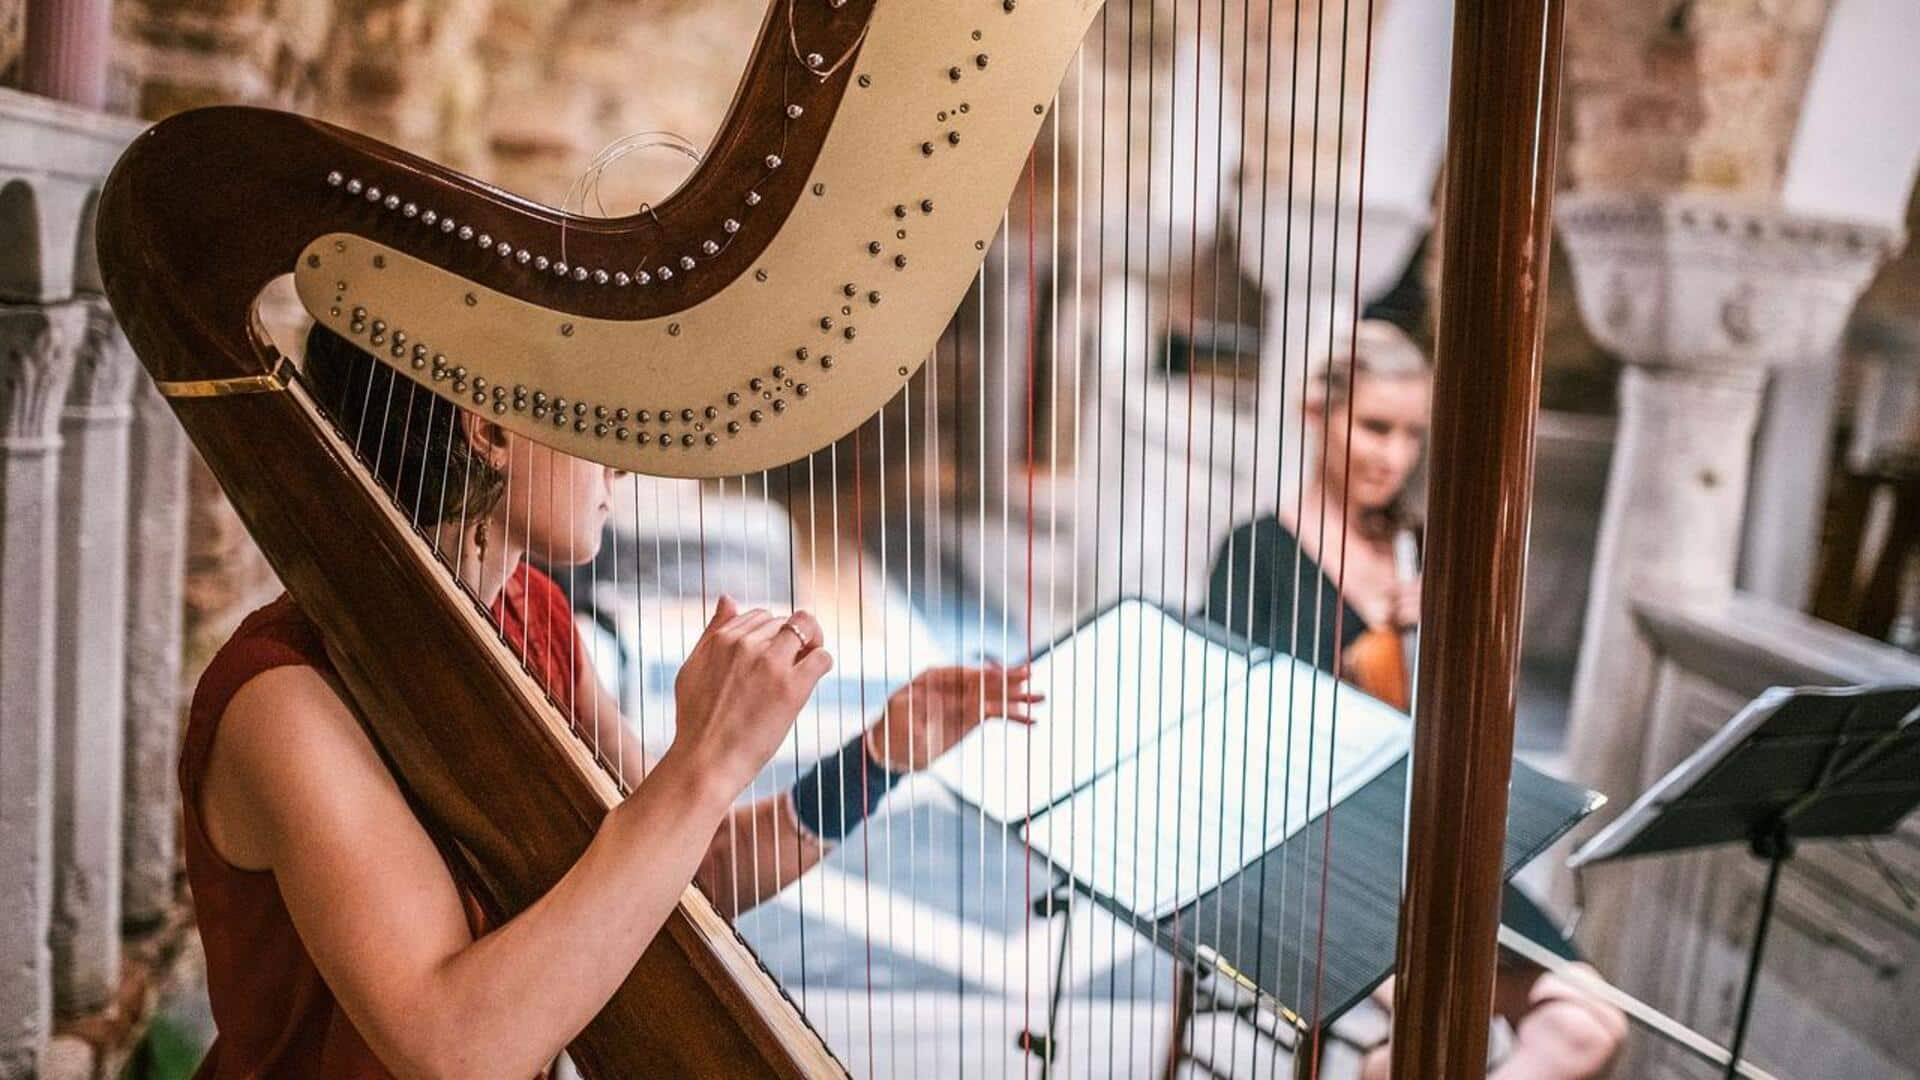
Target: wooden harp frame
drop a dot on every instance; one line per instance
(474, 739)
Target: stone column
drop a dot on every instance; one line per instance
(89, 728)
(36, 357)
(1703, 299)
(1786, 499)
(156, 566)
(66, 53)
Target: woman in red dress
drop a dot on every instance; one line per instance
(339, 940)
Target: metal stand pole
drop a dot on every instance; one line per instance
(1776, 846)
(1045, 1046)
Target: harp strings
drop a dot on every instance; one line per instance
(930, 488)
(1252, 508)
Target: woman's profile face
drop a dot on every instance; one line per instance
(1374, 451)
(554, 502)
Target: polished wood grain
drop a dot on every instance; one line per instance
(1496, 206)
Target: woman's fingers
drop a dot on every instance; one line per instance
(808, 628)
(787, 638)
(745, 624)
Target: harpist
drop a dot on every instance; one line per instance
(340, 941)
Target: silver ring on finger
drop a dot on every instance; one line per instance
(797, 632)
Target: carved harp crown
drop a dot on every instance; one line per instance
(783, 296)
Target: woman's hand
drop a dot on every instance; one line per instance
(940, 706)
(740, 689)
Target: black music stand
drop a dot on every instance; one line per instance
(1793, 765)
(1261, 927)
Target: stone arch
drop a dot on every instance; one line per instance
(22, 263)
(86, 258)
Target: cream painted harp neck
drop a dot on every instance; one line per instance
(835, 235)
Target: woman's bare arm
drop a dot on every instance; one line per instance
(760, 848)
(295, 786)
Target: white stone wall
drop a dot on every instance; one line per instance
(76, 517)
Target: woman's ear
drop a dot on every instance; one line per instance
(487, 438)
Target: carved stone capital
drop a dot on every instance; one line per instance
(1671, 280)
(36, 365)
(104, 367)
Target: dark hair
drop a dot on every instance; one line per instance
(414, 443)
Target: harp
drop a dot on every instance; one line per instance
(784, 323)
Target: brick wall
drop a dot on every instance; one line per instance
(13, 30)
(1686, 94)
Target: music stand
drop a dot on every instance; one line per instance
(1261, 929)
(1794, 765)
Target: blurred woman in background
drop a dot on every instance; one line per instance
(1335, 578)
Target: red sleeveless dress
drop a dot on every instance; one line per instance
(274, 1014)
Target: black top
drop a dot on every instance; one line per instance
(1263, 560)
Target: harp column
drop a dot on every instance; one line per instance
(1705, 300)
(1496, 204)
(36, 364)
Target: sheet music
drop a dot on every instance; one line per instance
(1237, 778)
(1113, 684)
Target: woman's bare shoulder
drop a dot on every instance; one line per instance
(287, 745)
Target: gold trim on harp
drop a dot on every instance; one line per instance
(271, 382)
(1212, 958)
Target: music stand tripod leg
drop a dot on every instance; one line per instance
(1044, 1046)
(1774, 844)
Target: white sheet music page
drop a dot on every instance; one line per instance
(1111, 685)
(1272, 751)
